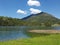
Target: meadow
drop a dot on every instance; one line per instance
(52, 39)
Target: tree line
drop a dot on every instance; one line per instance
(8, 21)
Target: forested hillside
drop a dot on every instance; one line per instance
(32, 20)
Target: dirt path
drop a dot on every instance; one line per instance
(45, 31)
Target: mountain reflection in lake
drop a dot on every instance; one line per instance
(6, 35)
(11, 32)
(17, 32)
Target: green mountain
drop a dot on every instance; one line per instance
(41, 18)
(34, 19)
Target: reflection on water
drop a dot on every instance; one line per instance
(57, 28)
(11, 32)
(15, 32)
(6, 35)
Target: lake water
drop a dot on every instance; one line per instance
(15, 32)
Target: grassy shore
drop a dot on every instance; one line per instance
(53, 39)
(45, 31)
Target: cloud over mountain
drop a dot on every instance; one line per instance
(19, 11)
(31, 10)
(34, 11)
(33, 3)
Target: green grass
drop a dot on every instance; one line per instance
(53, 39)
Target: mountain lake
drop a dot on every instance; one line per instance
(16, 32)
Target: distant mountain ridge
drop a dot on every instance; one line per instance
(31, 16)
(41, 17)
(32, 20)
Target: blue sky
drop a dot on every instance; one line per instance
(23, 8)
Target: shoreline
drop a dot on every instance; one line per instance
(45, 31)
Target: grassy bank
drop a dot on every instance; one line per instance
(53, 39)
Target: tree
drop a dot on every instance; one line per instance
(48, 24)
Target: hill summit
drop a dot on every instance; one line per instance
(41, 18)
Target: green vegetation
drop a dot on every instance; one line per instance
(40, 21)
(32, 20)
(8, 21)
(40, 18)
(53, 39)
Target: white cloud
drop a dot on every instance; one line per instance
(33, 3)
(19, 11)
(35, 11)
